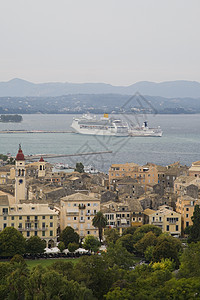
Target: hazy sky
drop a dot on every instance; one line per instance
(113, 41)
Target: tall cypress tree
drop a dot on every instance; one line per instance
(194, 231)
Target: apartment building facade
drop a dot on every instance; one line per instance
(167, 219)
(78, 211)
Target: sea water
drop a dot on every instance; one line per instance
(180, 141)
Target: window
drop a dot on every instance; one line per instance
(74, 204)
(74, 218)
(4, 225)
(123, 215)
(35, 233)
(12, 218)
(36, 217)
(187, 224)
(5, 211)
(160, 219)
(88, 211)
(95, 211)
(28, 233)
(43, 225)
(28, 217)
(20, 225)
(43, 233)
(88, 204)
(186, 215)
(88, 218)
(51, 217)
(187, 209)
(88, 232)
(167, 227)
(153, 219)
(43, 217)
(51, 232)
(51, 224)
(5, 218)
(36, 225)
(12, 225)
(176, 227)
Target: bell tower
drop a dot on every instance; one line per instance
(20, 188)
(41, 168)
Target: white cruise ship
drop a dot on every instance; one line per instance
(144, 130)
(92, 125)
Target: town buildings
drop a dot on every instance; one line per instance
(31, 219)
(78, 210)
(167, 219)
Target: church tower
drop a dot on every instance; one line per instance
(20, 188)
(41, 168)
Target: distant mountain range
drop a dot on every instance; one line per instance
(169, 89)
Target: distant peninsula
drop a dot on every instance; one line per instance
(10, 118)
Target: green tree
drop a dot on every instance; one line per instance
(18, 259)
(91, 243)
(35, 245)
(194, 231)
(68, 235)
(127, 242)
(167, 247)
(149, 239)
(148, 254)
(49, 285)
(119, 294)
(11, 242)
(100, 222)
(180, 289)
(72, 247)
(111, 235)
(65, 268)
(79, 167)
(61, 246)
(190, 261)
(147, 228)
(94, 272)
(129, 230)
(117, 255)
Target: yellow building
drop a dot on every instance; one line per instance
(142, 174)
(30, 219)
(78, 211)
(167, 219)
(185, 206)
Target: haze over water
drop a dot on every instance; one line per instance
(180, 141)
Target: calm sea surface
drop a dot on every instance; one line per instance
(180, 141)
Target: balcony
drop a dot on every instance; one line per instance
(81, 221)
(32, 229)
(81, 206)
(31, 221)
(72, 213)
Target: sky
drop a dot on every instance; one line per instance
(118, 42)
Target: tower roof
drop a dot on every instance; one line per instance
(41, 159)
(20, 155)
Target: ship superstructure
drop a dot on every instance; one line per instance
(144, 130)
(92, 125)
